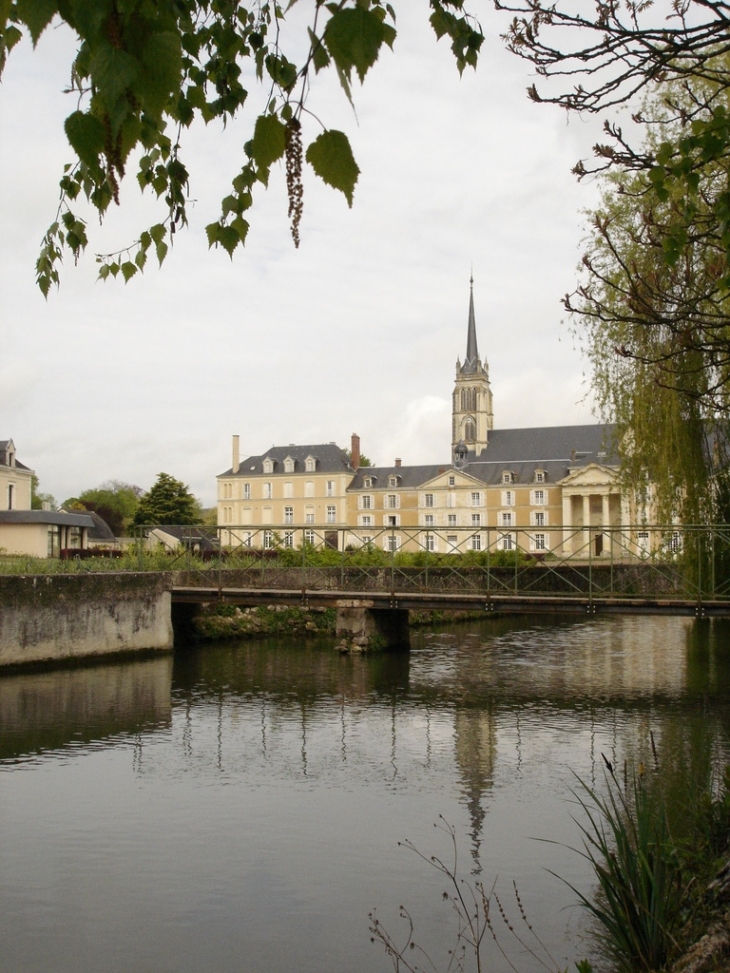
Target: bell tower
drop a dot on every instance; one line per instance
(471, 412)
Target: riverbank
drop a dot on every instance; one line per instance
(218, 622)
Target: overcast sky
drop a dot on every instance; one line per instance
(357, 331)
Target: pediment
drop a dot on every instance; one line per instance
(592, 475)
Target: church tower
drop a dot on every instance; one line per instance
(472, 416)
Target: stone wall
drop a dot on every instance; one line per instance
(59, 617)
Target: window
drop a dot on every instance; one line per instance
(539, 497)
(366, 541)
(643, 539)
(367, 482)
(288, 515)
(476, 520)
(289, 538)
(288, 465)
(330, 488)
(451, 520)
(366, 520)
(246, 491)
(506, 477)
(309, 517)
(538, 518)
(268, 539)
(310, 464)
(505, 542)
(267, 491)
(508, 498)
(309, 488)
(429, 500)
(451, 500)
(476, 499)
(391, 520)
(392, 543)
(430, 542)
(468, 400)
(247, 539)
(392, 501)
(539, 476)
(288, 490)
(366, 502)
(453, 541)
(309, 537)
(11, 495)
(506, 520)
(74, 537)
(452, 481)
(540, 542)
(470, 431)
(268, 466)
(331, 514)
(476, 543)
(428, 520)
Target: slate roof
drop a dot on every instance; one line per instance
(4, 443)
(52, 517)
(101, 531)
(330, 459)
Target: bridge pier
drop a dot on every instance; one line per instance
(361, 628)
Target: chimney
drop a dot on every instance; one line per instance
(236, 457)
(397, 461)
(572, 456)
(355, 451)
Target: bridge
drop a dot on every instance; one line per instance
(639, 569)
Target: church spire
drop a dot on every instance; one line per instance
(471, 362)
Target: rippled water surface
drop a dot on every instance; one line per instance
(239, 807)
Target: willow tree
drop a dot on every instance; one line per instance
(652, 311)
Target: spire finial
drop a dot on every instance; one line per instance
(472, 354)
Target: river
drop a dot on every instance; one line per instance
(238, 808)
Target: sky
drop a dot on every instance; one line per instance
(357, 331)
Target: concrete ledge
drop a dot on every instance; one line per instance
(45, 618)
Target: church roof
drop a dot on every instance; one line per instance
(471, 362)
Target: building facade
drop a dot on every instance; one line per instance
(544, 489)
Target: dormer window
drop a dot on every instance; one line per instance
(540, 476)
(310, 464)
(268, 465)
(367, 482)
(507, 476)
(393, 481)
(288, 465)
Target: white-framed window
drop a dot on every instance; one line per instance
(539, 518)
(366, 502)
(309, 488)
(288, 515)
(506, 519)
(246, 539)
(268, 465)
(268, 539)
(366, 520)
(428, 520)
(538, 497)
(288, 490)
(508, 498)
(429, 542)
(246, 491)
(476, 498)
(267, 491)
(331, 514)
(428, 500)
(452, 520)
(288, 538)
(309, 517)
(391, 520)
(310, 464)
(476, 520)
(675, 542)
(507, 476)
(367, 482)
(452, 481)
(539, 542)
(505, 543)
(643, 540)
(392, 542)
(330, 488)
(539, 476)
(309, 537)
(475, 542)
(288, 465)
(392, 501)
(453, 541)
(392, 481)
(366, 540)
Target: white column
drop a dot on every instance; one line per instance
(606, 519)
(567, 524)
(586, 524)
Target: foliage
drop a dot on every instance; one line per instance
(37, 499)
(471, 904)
(144, 72)
(167, 502)
(653, 319)
(114, 501)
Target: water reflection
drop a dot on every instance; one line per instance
(211, 802)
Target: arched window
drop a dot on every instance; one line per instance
(468, 400)
(470, 431)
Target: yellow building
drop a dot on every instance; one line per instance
(541, 489)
